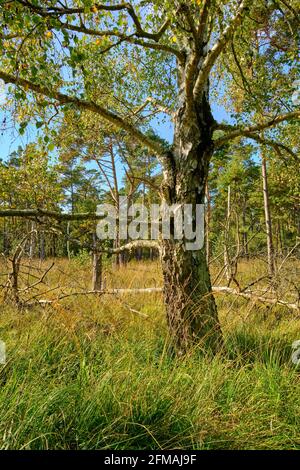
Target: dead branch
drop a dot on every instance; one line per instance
(39, 281)
(253, 296)
(140, 314)
(60, 216)
(131, 246)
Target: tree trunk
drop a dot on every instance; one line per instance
(191, 309)
(97, 271)
(32, 241)
(282, 249)
(245, 234)
(117, 258)
(68, 241)
(270, 248)
(227, 261)
(190, 306)
(5, 238)
(97, 283)
(42, 246)
(207, 222)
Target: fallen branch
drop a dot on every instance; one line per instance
(60, 216)
(140, 314)
(131, 246)
(150, 290)
(253, 296)
(146, 290)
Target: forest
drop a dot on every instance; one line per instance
(149, 225)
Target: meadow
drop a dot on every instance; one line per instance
(96, 372)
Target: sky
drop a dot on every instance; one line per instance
(10, 139)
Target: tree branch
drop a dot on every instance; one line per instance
(218, 47)
(271, 143)
(114, 119)
(131, 246)
(57, 12)
(252, 296)
(237, 131)
(47, 213)
(203, 20)
(184, 8)
(131, 39)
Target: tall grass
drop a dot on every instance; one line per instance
(87, 373)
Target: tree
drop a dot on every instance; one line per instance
(268, 218)
(233, 179)
(27, 180)
(165, 50)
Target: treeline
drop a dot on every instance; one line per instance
(252, 197)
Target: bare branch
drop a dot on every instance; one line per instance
(271, 143)
(39, 281)
(152, 290)
(156, 104)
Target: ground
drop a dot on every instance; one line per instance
(91, 373)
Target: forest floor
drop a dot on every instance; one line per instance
(90, 372)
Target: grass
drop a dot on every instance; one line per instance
(87, 373)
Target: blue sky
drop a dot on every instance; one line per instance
(10, 139)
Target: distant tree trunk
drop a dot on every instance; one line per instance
(138, 254)
(116, 244)
(32, 241)
(97, 283)
(97, 271)
(279, 239)
(68, 241)
(5, 238)
(54, 245)
(118, 258)
(245, 234)
(207, 222)
(270, 247)
(227, 264)
(42, 246)
(282, 238)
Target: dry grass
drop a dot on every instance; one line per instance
(88, 373)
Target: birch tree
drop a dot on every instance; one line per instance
(147, 55)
